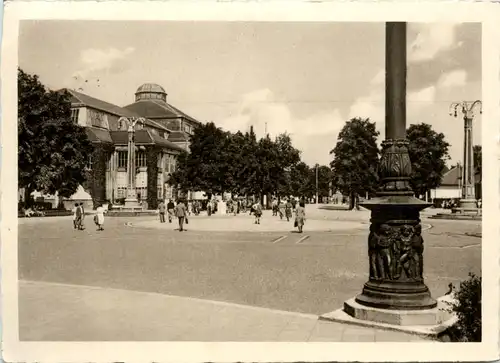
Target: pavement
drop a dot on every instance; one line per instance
(98, 314)
(140, 280)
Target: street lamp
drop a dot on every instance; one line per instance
(467, 108)
(396, 280)
(131, 199)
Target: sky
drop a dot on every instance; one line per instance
(303, 78)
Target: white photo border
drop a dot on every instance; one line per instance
(485, 13)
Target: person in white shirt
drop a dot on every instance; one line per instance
(75, 224)
(99, 217)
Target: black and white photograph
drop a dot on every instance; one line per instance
(293, 181)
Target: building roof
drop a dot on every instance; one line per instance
(154, 108)
(96, 135)
(143, 137)
(150, 87)
(453, 176)
(92, 102)
(86, 100)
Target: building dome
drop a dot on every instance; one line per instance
(150, 91)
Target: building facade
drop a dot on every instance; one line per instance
(163, 136)
(451, 185)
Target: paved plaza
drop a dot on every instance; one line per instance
(224, 279)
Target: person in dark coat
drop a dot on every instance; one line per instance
(180, 212)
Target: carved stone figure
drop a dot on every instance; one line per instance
(418, 250)
(406, 255)
(384, 258)
(373, 253)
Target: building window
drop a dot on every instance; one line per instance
(122, 159)
(74, 115)
(98, 119)
(140, 159)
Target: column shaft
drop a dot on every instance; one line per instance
(395, 81)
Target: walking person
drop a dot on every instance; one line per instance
(170, 210)
(275, 207)
(209, 208)
(82, 217)
(288, 210)
(75, 218)
(180, 212)
(161, 211)
(99, 217)
(281, 209)
(257, 211)
(300, 216)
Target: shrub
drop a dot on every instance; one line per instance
(467, 306)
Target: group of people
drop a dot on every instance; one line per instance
(285, 207)
(79, 217)
(179, 210)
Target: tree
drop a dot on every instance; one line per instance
(302, 184)
(53, 151)
(428, 154)
(325, 177)
(478, 167)
(356, 159)
(478, 158)
(206, 167)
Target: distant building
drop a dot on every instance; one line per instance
(159, 141)
(451, 185)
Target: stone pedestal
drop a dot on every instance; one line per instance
(432, 323)
(467, 204)
(131, 200)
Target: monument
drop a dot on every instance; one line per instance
(131, 202)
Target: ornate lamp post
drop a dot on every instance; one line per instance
(131, 199)
(467, 108)
(395, 244)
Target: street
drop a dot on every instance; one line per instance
(312, 273)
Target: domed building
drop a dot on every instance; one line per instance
(151, 102)
(163, 136)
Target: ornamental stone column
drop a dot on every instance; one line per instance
(468, 200)
(395, 243)
(131, 199)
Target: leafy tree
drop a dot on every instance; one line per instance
(206, 167)
(53, 151)
(302, 184)
(356, 159)
(287, 157)
(325, 177)
(478, 167)
(428, 151)
(478, 158)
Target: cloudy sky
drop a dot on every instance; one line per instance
(303, 78)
